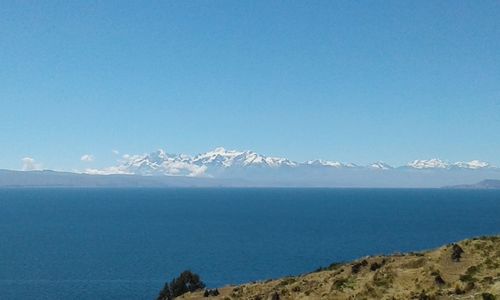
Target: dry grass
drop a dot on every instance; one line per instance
(427, 275)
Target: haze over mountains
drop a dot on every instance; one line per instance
(221, 162)
(221, 167)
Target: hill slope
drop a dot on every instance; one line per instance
(469, 269)
(485, 184)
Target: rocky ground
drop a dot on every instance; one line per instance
(469, 269)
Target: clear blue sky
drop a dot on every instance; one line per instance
(355, 81)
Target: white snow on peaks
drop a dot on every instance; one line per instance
(473, 164)
(439, 164)
(216, 162)
(428, 164)
(155, 163)
(220, 157)
(161, 163)
(320, 162)
(331, 164)
(380, 165)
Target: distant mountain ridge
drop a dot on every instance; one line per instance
(231, 168)
(262, 177)
(484, 184)
(214, 163)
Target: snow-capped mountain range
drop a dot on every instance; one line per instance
(221, 162)
(439, 164)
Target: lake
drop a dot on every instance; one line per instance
(125, 243)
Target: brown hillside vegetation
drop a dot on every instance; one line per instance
(469, 269)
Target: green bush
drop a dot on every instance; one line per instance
(186, 282)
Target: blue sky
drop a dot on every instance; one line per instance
(354, 81)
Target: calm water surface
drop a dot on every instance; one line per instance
(124, 243)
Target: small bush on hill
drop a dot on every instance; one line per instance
(457, 252)
(439, 280)
(375, 266)
(488, 296)
(357, 266)
(287, 281)
(467, 278)
(210, 293)
(332, 266)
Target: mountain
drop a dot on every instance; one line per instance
(439, 164)
(485, 184)
(474, 164)
(162, 163)
(428, 164)
(222, 163)
(381, 166)
(231, 168)
(221, 157)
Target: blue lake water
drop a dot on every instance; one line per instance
(125, 243)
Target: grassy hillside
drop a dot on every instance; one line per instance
(469, 269)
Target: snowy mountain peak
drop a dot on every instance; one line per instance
(217, 161)
(332, 164)
(428, 164)
(439, 164)
(160, 163)
(473, 164)
(320, 162)
(232, 158)
(380, 165)
(218, 156)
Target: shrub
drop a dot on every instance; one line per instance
(332, 266)
(488, 296)
(186, 282)
(457, 252)
(439, 280)
(472, 270)
(287, 281)
(467, 278)
(210, 292)
(374, 266)
(488, 280)
(340, 283)
(357, 266)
